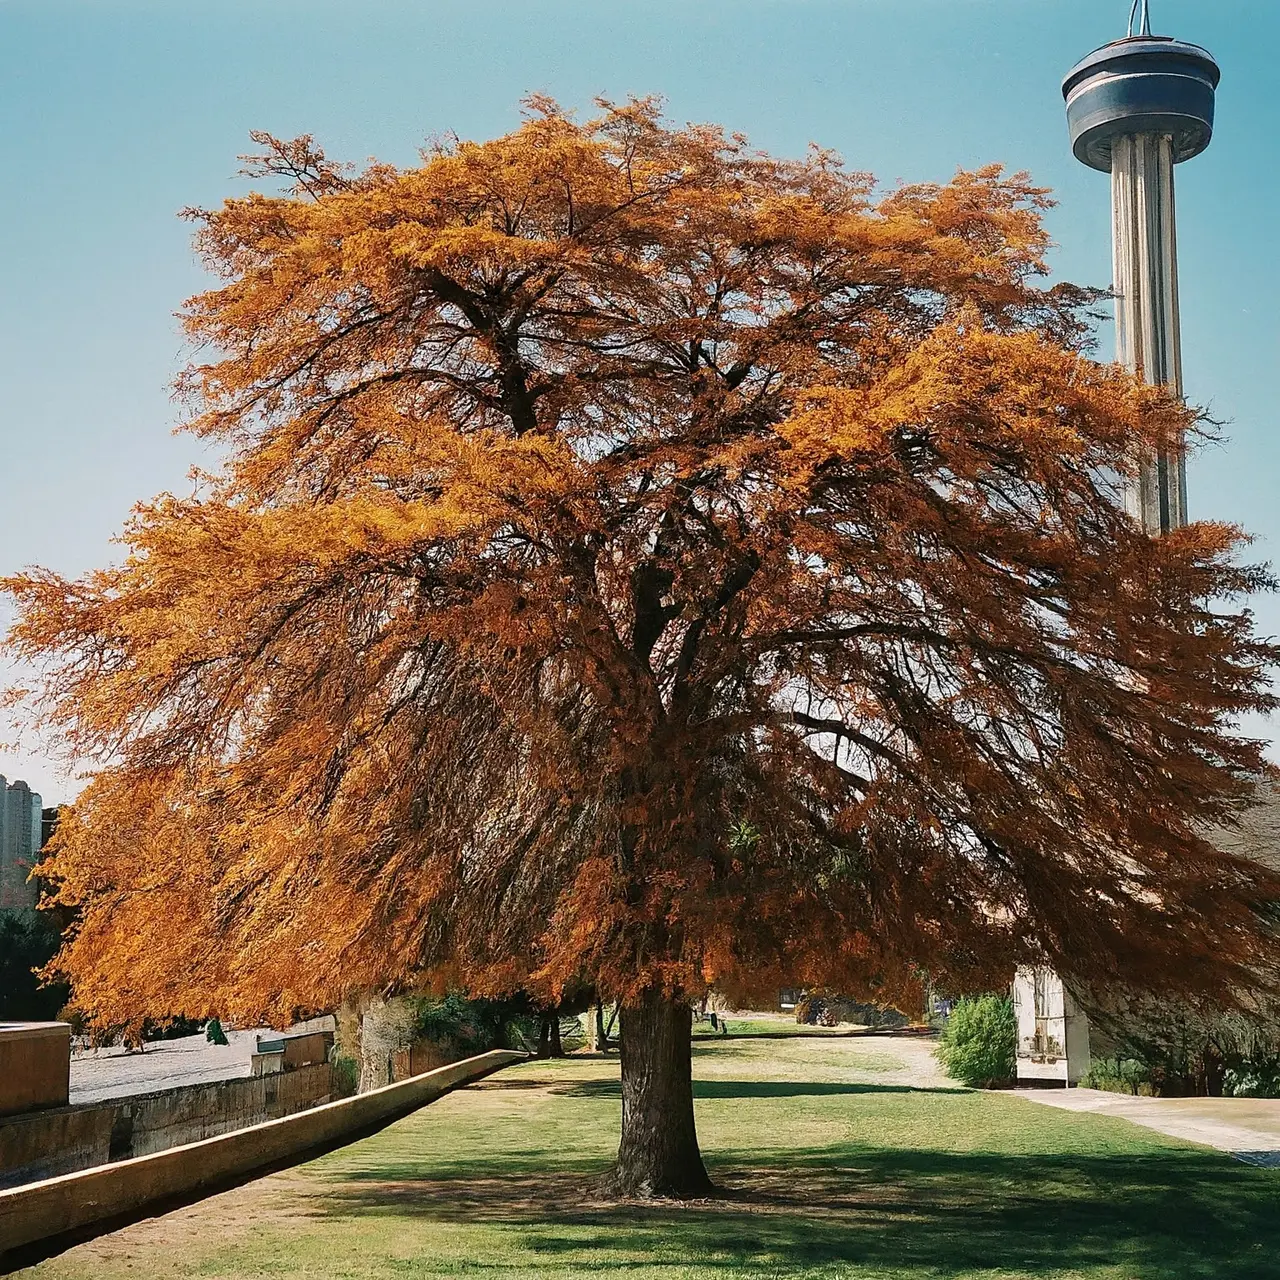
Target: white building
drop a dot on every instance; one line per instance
(1053, 1031)
(20, 840)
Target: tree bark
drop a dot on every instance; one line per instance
(658, 1154)
(602, 1042)
(549, 1045)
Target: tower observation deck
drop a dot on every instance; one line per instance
(1136, 108)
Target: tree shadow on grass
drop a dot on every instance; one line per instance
(1180, 1214)
(751, 1089)
(500, 1084)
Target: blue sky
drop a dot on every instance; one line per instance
(115, 114)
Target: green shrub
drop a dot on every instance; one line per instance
(475, 1026)
(1252, 1080)
(448, 1017)
(979, 1044)
(346, 1077)
(1181, 1051)
(1119, 1075)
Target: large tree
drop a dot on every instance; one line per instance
(643, 561)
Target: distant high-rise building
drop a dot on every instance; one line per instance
(21, 835)
(49, 823)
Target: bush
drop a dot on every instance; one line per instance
(1184, 1052)
(474, 1026)
(979, 1045)
(1119, 1075)
(346, 1077)
(1252, 1080)
(449, 1017)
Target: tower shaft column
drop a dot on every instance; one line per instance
(1148, 337)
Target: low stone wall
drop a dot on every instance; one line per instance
(422, 1056)
(35, 1065)
(44, 1218)
(45, 1144)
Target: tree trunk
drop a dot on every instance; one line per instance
(385, 1027)
(602, 1041)
(658, 1154)
(557, 1049)
(544, 1036)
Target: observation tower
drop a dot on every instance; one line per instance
(1135, 108)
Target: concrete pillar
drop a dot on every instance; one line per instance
(1148, 337)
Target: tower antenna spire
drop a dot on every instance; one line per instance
(1146, 17)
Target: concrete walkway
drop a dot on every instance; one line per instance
(100, 1074)
(1247, 1128)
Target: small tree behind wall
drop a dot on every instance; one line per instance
(642, 561)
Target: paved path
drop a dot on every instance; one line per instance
(165, 1064)
(1248, 1128)
(920, 1069)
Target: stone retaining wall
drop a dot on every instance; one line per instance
(45, 1144)
(42, 1219)
(35, 1065)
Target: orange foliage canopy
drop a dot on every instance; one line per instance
(645, 560)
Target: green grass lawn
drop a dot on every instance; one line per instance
(831, 1165)
(765, 1027)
